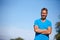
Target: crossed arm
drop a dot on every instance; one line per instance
(48, 31)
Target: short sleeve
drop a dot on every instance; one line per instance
(35, 23)
(50, 24)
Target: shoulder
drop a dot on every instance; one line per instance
(36, 22)
(49, 21)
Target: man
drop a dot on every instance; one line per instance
(42, 26)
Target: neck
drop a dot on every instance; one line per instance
(43, 20)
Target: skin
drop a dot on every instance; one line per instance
(43, 17)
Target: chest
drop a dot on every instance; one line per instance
(43, 25)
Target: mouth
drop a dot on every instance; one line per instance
(43, 16)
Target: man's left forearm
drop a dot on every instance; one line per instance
(45, 32)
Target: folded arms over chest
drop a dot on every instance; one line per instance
(48, 31)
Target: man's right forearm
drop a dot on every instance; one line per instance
(38, 30)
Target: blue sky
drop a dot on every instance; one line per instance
(17, 17)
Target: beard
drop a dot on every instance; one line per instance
(43, 18)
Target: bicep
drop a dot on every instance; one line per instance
(49, 29)
(35, 28)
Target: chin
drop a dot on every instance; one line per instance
(43, 18)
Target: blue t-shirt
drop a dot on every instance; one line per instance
(43, 26)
